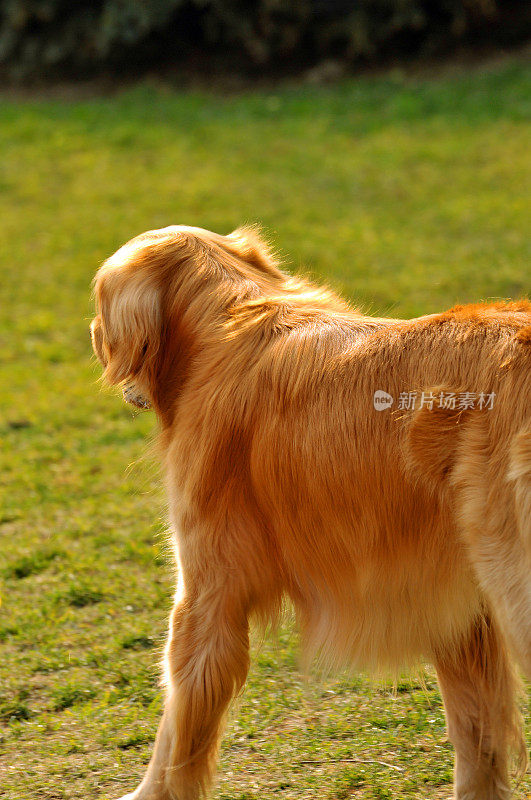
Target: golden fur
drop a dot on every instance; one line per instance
(395, 534)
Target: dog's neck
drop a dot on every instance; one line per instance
(195, 319)
(206, 301)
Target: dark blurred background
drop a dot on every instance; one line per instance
(51, 38)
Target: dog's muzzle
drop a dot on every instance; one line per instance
(132, 395)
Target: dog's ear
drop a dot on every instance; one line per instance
(129, 306)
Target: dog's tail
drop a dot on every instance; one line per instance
(489, 487)
(520, 475)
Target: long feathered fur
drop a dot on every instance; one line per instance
(395, 534)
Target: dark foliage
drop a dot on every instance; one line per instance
(47, 37)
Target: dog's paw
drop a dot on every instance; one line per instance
(146, 793)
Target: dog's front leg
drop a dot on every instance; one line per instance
(207, 659)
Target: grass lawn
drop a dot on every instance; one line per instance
(407, 196)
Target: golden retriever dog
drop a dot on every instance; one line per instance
(375, 473)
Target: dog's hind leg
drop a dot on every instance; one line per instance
(206, 662)
(494, 510)
(479, 690)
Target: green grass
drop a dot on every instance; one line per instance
(407, 196)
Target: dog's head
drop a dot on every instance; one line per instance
(126, 329)
(156, 289)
